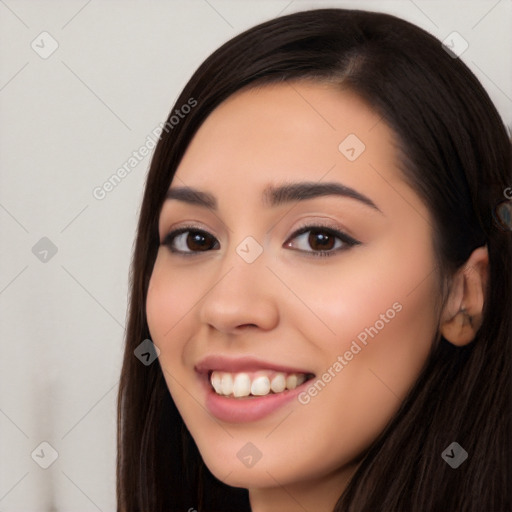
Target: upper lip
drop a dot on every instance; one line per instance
(240, 364)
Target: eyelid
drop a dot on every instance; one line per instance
(184, 227)
(334, 228)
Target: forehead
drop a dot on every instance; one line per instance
(285, 132)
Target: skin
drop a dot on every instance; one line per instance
(289, 306)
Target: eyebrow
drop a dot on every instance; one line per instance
(192, 196)
(275, 196)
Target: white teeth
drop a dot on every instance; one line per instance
(262, 383)
(278, 383)
(260, 386)
(241, 385)
(291, 381)
(216, 381)
(226, 384)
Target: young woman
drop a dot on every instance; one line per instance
(321, 268)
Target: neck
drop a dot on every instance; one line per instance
(319, 495)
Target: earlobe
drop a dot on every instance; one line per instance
(463, 311)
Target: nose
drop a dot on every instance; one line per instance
(240, 295)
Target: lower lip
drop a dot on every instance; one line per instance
(245, 410)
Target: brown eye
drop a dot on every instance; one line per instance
(321, 240)
(199, 241)
(189, 241)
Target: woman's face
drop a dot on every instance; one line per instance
(292, 250)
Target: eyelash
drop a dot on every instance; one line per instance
(347, 240)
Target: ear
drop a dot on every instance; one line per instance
(463, 311)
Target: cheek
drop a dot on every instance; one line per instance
(169, 299)
(364, 384)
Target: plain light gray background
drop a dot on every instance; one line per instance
(68, 122)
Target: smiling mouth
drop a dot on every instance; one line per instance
(255, 384)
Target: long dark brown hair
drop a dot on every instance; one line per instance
(456, 154)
